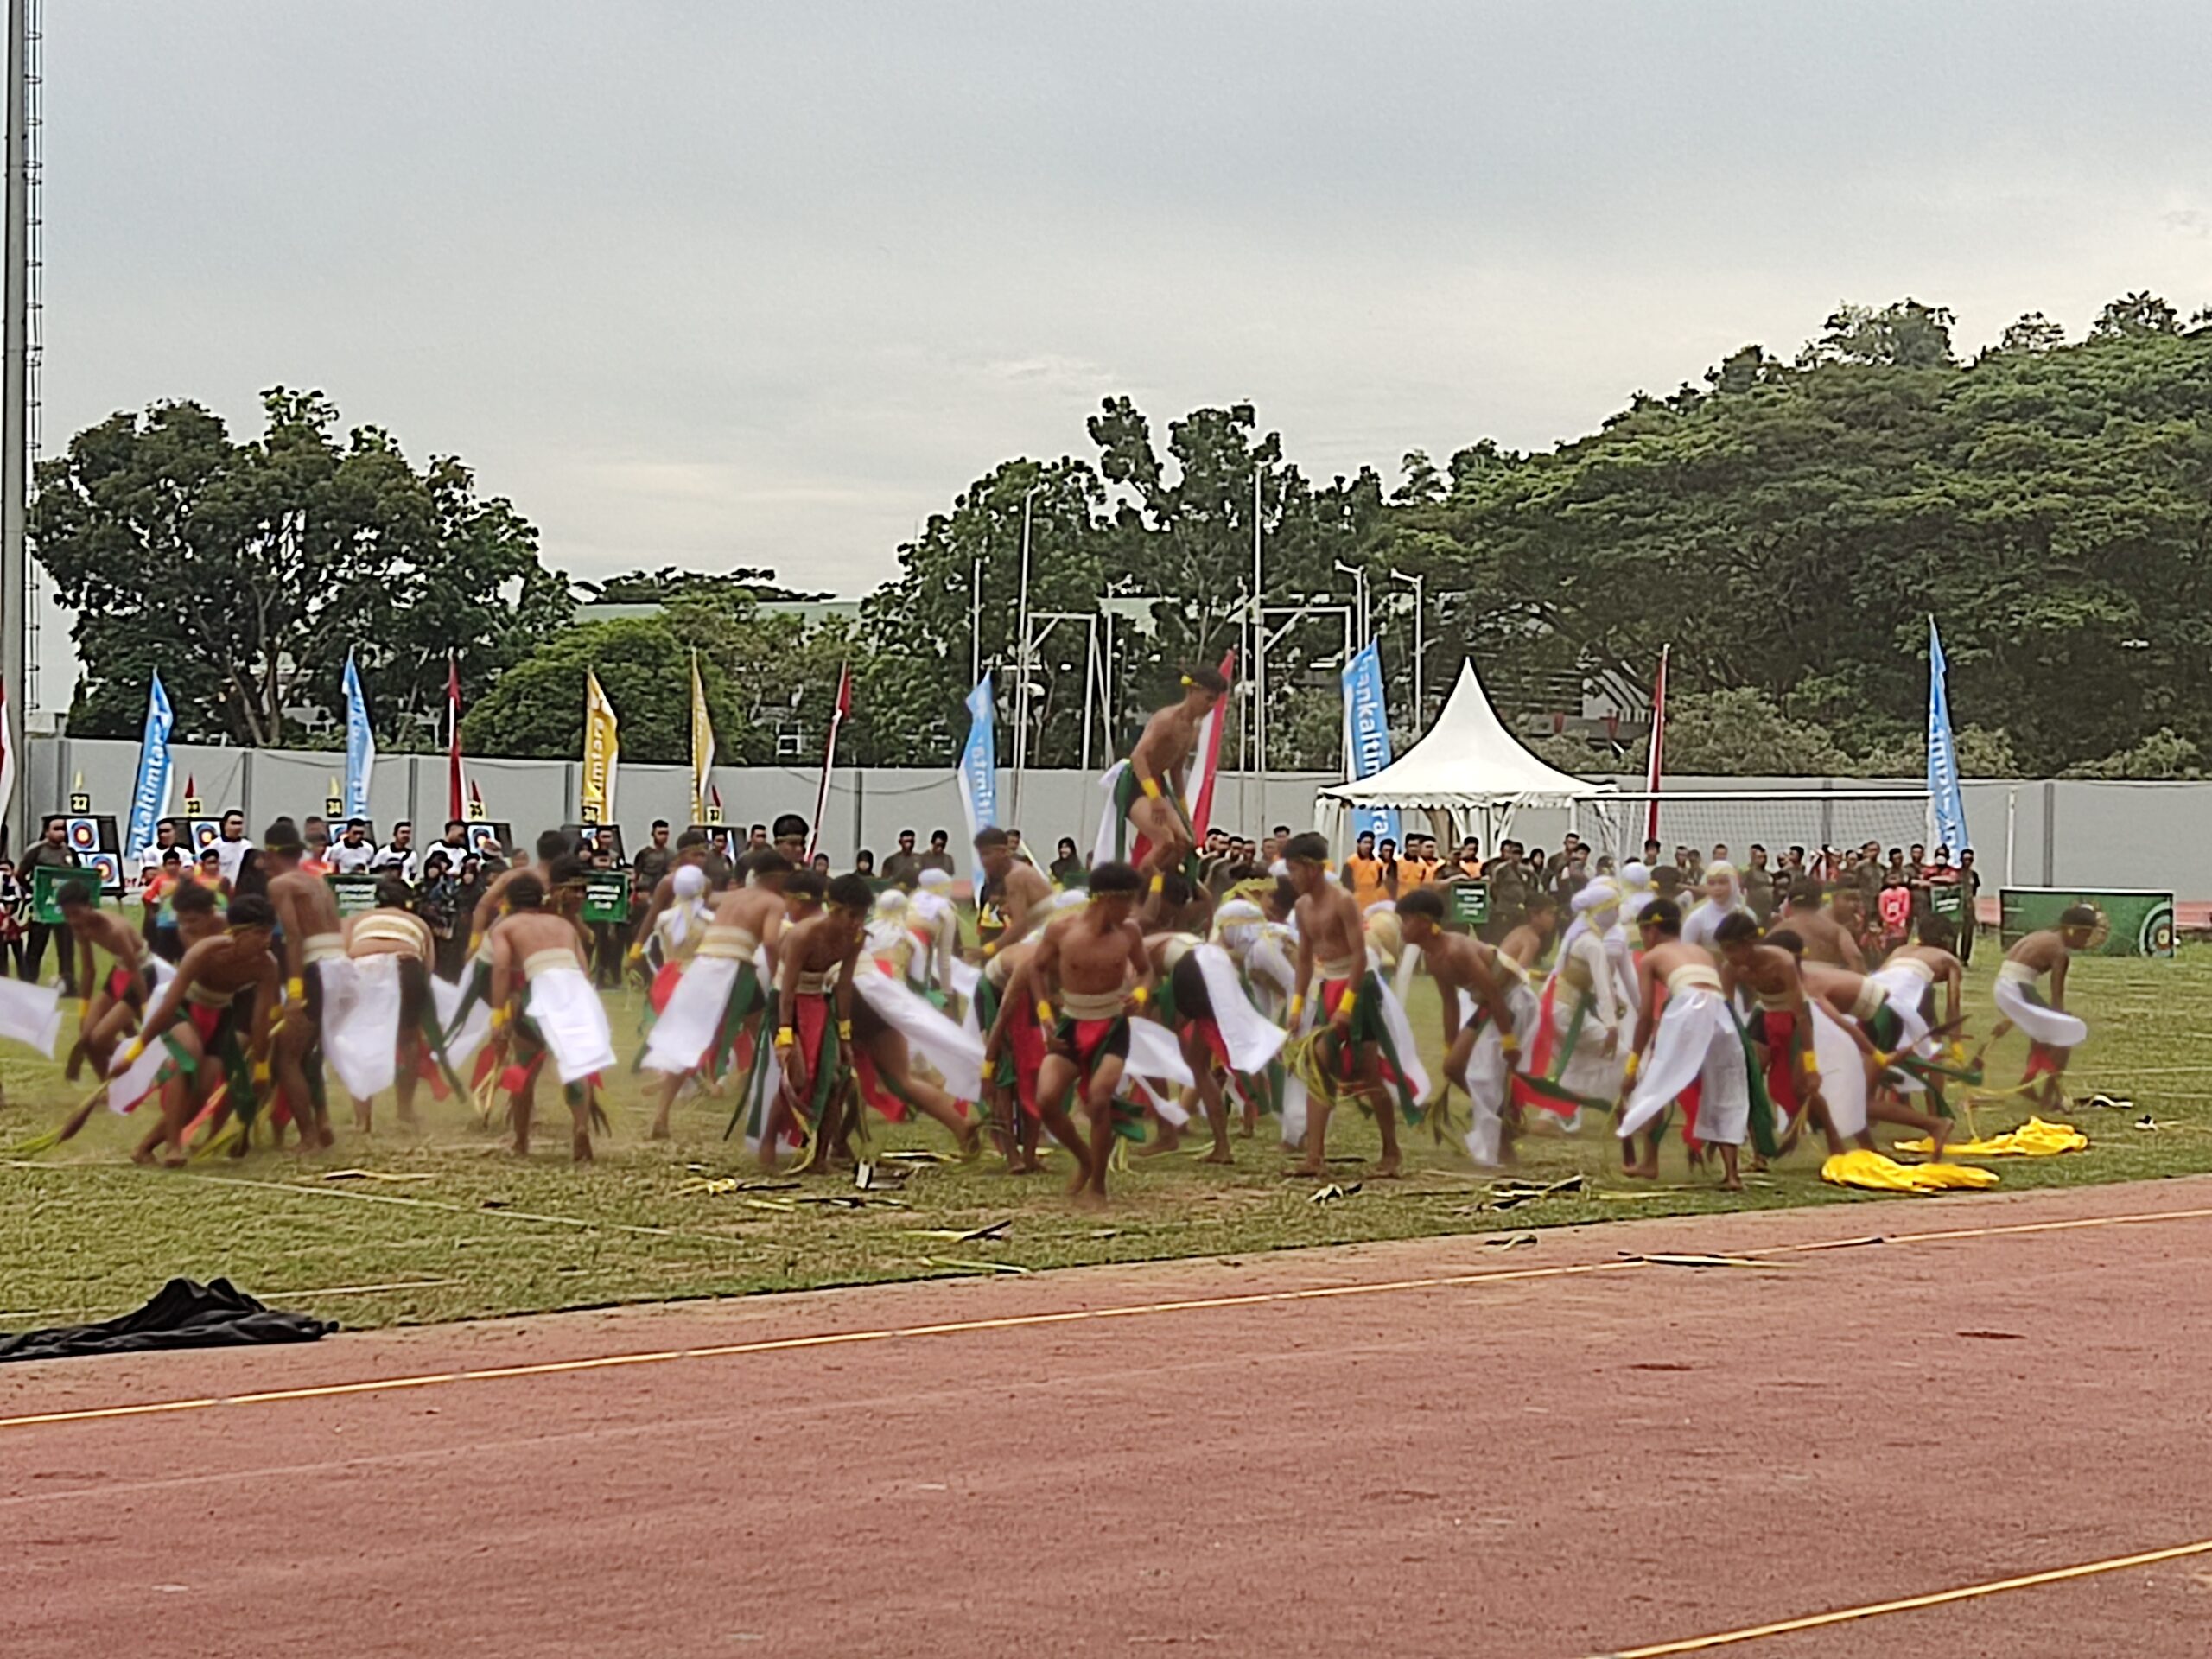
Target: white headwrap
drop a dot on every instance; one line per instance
(691, 881)
(933, 879)
(1593, 899)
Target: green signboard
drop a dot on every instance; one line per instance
(606, 897)
(1948, 899)
(354, 894)
(1470, 903)
(2130, 924)
(47, 883)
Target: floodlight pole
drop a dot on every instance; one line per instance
(15, 482)
(1420, 643)
(1021, 659)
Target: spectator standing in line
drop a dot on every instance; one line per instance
(51, 851)
(937, 858)
(1758, 885)
(1069, 871)
(352, 855)
(397, 857)
(1362, 873)
(903, 869)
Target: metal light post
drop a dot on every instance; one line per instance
(1022, 657)
(15, 585)
(1420, 641)
(976, 622)
(1358, 574)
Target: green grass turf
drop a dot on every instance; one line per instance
(472, 1231)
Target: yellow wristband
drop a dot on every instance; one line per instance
(1628, 1071)
(786, 1037)
(1509, 1042)
(992, 949)
(1140, 996)
(1152, 787)
(1351, 1001)
(1297, 1004)
(844, 1031)
(500, 1016)
(133, 1050)
(296, 988)
(1044, 1012)
(261, 1071)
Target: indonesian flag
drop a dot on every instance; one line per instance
(456, 791)
(1655, 768)
(844, 707)
(1205, 761)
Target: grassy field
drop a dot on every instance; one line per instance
(394, 1228)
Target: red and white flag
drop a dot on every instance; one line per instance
(1656, 768)
(456, 793)
(7, 759)
(1205, 763)
(844, 706)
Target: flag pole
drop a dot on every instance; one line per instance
(1655, 767)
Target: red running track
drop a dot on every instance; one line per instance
(1568, 1455)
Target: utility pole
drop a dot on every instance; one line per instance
(15, 435)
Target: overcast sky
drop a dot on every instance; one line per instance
(717, 283)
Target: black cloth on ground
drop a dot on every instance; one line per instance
(181, 1314)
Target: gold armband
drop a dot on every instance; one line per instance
(296, 987)
(1297, 1004)
(1151, 786)
(1350, 1002)
(501, 1015)
(1628, 1071)
(1159, 881)
(261, 1071)
(785, 1036)
(844, 1031)
(1044, 1012)
(1509, 1042)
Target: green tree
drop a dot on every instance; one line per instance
(2134, 315)
(536, 709)
(245, 571)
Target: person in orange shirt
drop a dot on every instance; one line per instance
(1370, 880)
(1418, 867)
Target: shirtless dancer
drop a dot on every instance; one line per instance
(1770, 973)
(393, 929)
(1332, 942)
(691, 849)
(814, 977)
(1157, 765)
(1825, 938)
(1013, 897)
(537, 939)
(111, 1006)
(306, 914)
(551, 845)
(2053, 1034)
(1460, 962)
(1090, 974)
(1859, 1006)
(1696, 1040)
(1174, 919)
(198, 1015)
(720, 993)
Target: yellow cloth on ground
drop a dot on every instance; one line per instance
(1876, 1173)
(2033, 1138)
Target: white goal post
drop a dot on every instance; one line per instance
(1775, 819)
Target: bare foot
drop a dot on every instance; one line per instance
(142, 1154)
(1309, 1170)
(971, 1144)
(174, 1160)
(1079, 1182)
(1219, 1155)
(659, 1130)
(580, 1147)
(1386, 1168)
(1732, 1184)
(1647, 1172)
(522, 1146)
(238, 1145)
(1090, 1199)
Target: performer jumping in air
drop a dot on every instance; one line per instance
(1150, 793)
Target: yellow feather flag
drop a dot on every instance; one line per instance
(602, 753)
(703, 746)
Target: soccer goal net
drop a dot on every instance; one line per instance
(1738, 820)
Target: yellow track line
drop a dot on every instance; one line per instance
(1017, 1322)
(1908, 1604)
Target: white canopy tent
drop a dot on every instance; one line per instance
(1468, 763)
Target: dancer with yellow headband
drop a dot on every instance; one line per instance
(1149, 792)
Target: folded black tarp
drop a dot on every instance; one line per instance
(182, 1314)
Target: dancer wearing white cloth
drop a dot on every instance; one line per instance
(720, 991)
(2053, 1034)
(376, 1004)
(1723, 897)
(1588, 1011)
(536, 947)
(1696, 1041)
